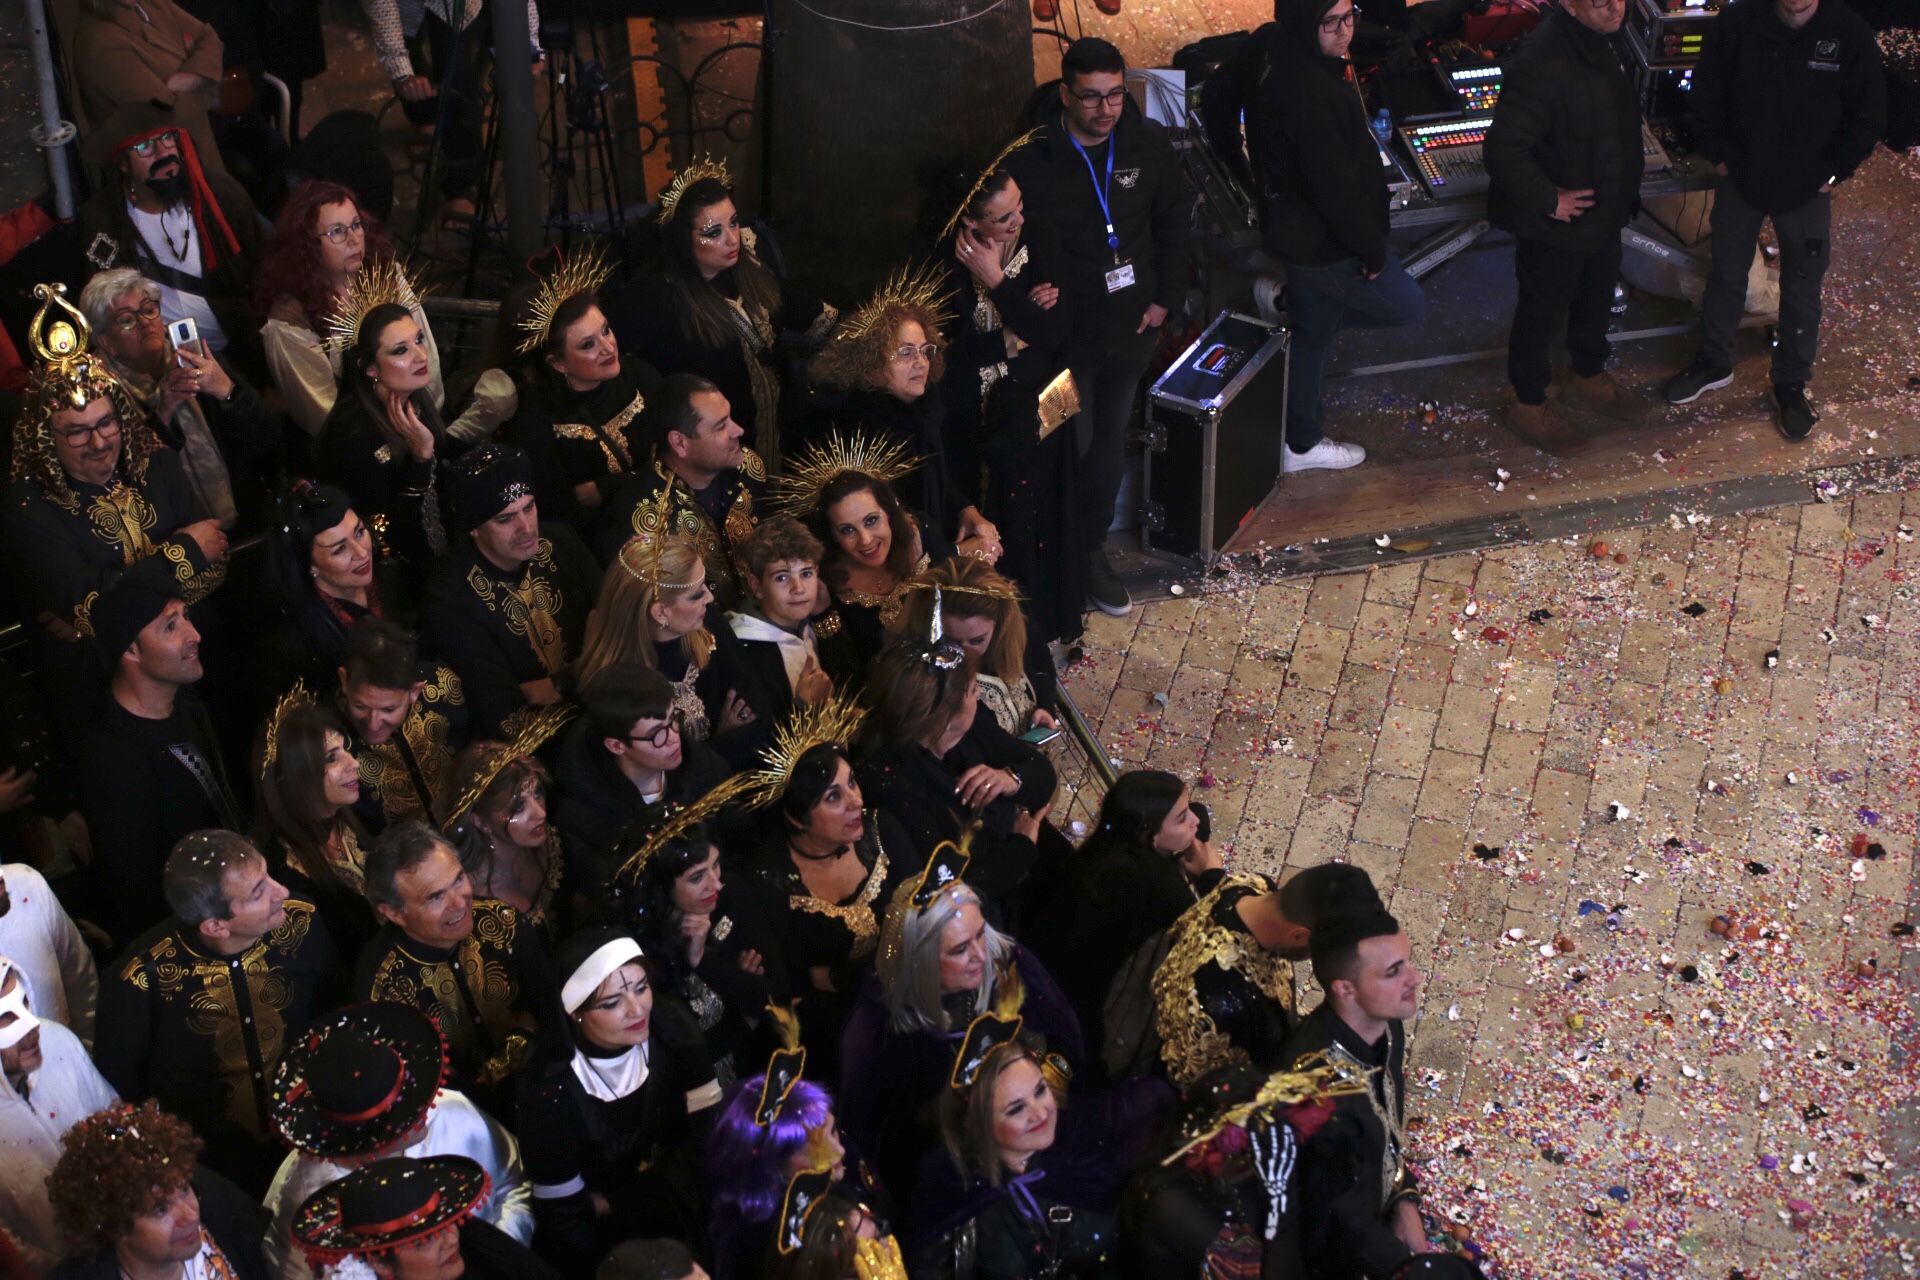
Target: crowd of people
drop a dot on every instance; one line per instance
(606, 830)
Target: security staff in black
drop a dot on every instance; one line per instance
(1105, 179)
(1789, 98)
(1564, 160)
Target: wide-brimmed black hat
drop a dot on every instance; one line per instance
(381, 1206)
(359, 1080)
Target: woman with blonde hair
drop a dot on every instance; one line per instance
(653, 610)
(980, 608)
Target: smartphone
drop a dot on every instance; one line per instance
(1205, 828)
(1040, 735)
(184, 333)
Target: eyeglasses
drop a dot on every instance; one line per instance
(128, 318)
(339, 232)
(926, 351)
(673, 724)
(1331, 25)
(145, 146)
(1111, 98)
(107, 428)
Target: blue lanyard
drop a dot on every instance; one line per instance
(1100, 192)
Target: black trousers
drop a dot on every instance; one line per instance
(1560, 286)
(1108, 376)
(457, 65)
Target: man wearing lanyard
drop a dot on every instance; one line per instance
(1106, 180)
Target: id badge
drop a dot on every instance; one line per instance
(1121, 277)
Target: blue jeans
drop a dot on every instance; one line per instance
(1322, 299)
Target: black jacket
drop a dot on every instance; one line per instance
(1568, 119)
(1788, 110)
(1152, 205)
(1323, 192)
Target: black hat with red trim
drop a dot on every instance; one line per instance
(358, 1081)
(385, 1205)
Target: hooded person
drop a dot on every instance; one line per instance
(507, 607)
(366, 1085)
(1323, 201)
(161, 211)
(47, 1084)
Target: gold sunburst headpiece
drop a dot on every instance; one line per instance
(797, 491)
(534, 731)
(295, 699)
(683, 820)
(652, 531)
(583, 272)
(922, 287)
(701, 169)
(980, 180)
(929, 582)
(833, 720)
(1314, 1076)
(374, 285)
(59, 335)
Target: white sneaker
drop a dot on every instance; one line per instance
(1328, 455)
(1267, 291)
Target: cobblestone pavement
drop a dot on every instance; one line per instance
(1646, 804)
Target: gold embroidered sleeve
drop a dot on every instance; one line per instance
(195, 584)
(752, 465)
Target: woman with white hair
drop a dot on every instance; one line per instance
(938, 965)
(228, 441)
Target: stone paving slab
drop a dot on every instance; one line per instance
(1648, 811)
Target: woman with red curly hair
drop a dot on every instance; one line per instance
(130, 1198)
(321, 239)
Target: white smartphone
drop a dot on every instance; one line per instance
(184, 332)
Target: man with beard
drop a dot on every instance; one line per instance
(509, 607)
(154, 770)
(192, 232)
(716, 486)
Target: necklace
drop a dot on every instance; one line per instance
(798, 852)
(186, 236)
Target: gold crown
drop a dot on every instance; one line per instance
(703, 168)
(981, 180)
(652, 531)
(683, 820)
(533, 733)
(583, 272)
(832, 720)
(59, 335)
(374, 285)
(797, 491)
(294, 699)
(922, 287)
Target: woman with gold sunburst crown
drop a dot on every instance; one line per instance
(580, 397)
(718, 309)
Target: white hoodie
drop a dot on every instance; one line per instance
(795, 649)
(67, 1088)
(42, 941)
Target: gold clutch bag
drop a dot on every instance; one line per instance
(1059, 402)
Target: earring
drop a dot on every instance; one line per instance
(313, 571)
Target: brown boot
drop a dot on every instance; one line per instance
(1544, 430)
(1603, 394)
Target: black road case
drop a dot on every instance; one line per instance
(1215, 423)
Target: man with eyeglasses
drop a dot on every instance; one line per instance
(1106, 179)
(192, 232)
(227, 441)
(1323, 211)
(507, 609)
(96, 494)
(621, 759)
(1564, 161)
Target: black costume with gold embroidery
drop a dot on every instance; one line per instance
(488, 994)
(581, 437)
(499, 630)
(203, 1032)
(1219, 996)
(66, 551)
(411, 774)
(717, 517)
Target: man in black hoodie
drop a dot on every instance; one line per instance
(1323, 210)
(1787, 101)
(1106, 180)
(1565, 163)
